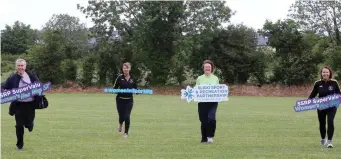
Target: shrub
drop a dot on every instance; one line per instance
(69, 69)
(88, 69)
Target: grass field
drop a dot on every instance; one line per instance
(84, 126)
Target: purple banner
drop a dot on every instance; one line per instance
(318, 103)
(25, 92)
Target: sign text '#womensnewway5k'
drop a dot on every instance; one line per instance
(318, 103)
(25, 92)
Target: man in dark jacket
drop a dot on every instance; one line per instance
(24, 110)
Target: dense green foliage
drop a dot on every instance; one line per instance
(166, 42)
(18, 38)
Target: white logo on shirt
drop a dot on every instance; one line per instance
(330, 88)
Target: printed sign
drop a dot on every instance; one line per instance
(318, 103)
(22, 93)
(141, 91)
(205, 93)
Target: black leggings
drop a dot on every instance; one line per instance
(124, 107)
(207, 116)
(330, 114)
(24, 117)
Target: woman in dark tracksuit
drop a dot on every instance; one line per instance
(124, 101)
(23, 110)
(207, 110)
(324, 87)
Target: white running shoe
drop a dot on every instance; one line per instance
(209, 140)
(323, 142)
(125, 135)
(329, 144)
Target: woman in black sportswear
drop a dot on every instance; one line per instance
(324, 87)
(124, 101)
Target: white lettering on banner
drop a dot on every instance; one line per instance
(206, 93)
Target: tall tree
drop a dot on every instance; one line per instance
(234, 52)
(297, 64)
(73, 31)
(154, 29)
(319, 16)
(333, 59)
(46, 58)
(17, 39)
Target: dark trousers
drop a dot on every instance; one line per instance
(24, 117)
(124, 107)
(330, 115)
(207, 117)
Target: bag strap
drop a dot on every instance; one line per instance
(37, 78)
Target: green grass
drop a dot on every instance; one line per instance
(85, 126)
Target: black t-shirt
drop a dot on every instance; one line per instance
(324, 88)
(122, 83)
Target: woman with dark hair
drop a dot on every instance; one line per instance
(324, 87)
(124, 101)
(207, 110)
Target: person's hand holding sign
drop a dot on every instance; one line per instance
(208, 92)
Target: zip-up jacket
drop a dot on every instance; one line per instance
(324, 88)
(13, 82)
(122, 83)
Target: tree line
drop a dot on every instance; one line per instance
(166, 42)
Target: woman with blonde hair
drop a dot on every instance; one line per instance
(124, 101)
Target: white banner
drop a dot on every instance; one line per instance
(205, 93)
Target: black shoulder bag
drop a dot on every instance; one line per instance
(40, 100)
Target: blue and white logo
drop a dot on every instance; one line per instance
(187, 94)
(205, 93)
